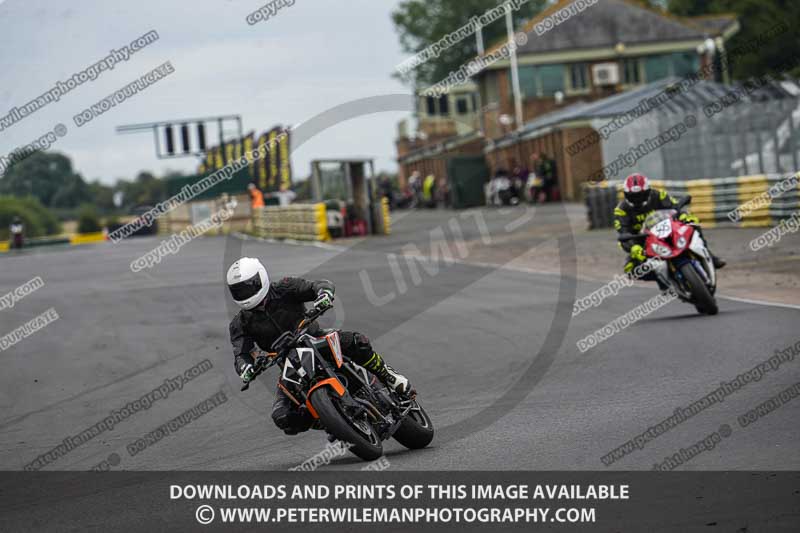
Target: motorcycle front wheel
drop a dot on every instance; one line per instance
(416, 430)
(704, 302)
(365, 442)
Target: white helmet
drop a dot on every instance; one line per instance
(248, 282)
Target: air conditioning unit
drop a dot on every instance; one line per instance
(605, 74)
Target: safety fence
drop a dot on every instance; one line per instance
(302, 222)
(743, 201)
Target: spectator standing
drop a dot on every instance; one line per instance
(385, 188)
(549, 177)
(534, 182)
(519, 176)
(428, 190)
(285, 196)
(443, 192)
(17, 231)
(256, 196)
(415, 183)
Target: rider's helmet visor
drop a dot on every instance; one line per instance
(246, 289)
(638, 198)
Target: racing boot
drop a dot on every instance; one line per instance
(388, 375)
(716, 261)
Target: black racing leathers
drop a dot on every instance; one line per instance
(282, 311)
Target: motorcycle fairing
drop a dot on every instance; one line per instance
(336, 347)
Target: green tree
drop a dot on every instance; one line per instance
(88, 220)
(72, 192)
(102, 195)
(41, 175)
(756, 18)
(36, 219)
(421, 23)
(146, 189)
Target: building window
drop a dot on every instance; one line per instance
(685, 63)
(579, 77)
(430, 106)
(657, 67)
(551, 78)
(527, 82)
(462, 105)
(540, 81)
(444, 105)
(675, 64)
(630, 71)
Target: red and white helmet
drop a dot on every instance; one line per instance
(637, 189)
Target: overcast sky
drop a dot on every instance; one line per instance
(306, 59)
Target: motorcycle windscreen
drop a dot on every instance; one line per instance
(336, 347)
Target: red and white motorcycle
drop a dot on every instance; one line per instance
(679, 257)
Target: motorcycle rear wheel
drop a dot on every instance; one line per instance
(704, 302)
(338, 424)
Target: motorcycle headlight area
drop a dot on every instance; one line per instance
(681, 242)
(661, 250)
(663, 229)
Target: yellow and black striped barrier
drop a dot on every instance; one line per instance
(302, 222)
(387, 217)
(743, 201)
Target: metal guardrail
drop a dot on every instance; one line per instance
(714, 201)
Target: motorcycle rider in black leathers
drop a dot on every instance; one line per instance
(268, 310)
(629, 215)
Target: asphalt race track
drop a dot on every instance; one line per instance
(492, 352)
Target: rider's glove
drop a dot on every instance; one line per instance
(324, 300)
(637, 252)
(688, 218)
(248, 374)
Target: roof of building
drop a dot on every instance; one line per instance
(714, 25)
(606, 23)
(681, 100)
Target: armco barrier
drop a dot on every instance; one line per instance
(303, 222)
(714, 201)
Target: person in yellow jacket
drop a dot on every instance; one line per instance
(428, 187)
